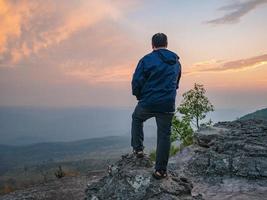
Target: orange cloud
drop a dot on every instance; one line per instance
(11, 20)
(15, 18)
(76, 20)
(222, 66)
(31, 26)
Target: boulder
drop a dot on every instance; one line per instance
(227, 161)
(237, 148)
(131, 178)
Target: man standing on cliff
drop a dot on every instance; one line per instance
(154, 84)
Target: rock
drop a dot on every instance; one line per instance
(237, 148)
(131, 178)
(205, 136)
(227, 161)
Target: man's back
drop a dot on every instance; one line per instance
(156, 79)
(154, 84)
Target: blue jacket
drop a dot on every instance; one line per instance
(156, 80)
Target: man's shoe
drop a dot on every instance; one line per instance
(160, 174)
(139, 153)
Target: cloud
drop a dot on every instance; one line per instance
(97, 54)
(235, 65)
(31, 26)
(11, 21)
(236, 11)
(71, 53)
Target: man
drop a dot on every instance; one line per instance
(154, 84)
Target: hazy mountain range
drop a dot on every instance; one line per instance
(29, 125)
(259, 114)
(13, 156)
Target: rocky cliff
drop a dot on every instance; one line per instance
(227, 161)
(130, 178)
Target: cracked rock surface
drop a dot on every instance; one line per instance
(237, 148)
(131, 178)
(227, 161)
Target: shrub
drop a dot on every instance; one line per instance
(60, 173)
(7, 189)
(174, 150)
(152, 155)
(182, 130)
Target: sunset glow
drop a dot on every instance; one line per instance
(83, 53)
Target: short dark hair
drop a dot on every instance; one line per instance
(159, 40)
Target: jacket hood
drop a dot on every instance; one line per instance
(167, 56)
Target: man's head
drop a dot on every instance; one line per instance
(159, 40)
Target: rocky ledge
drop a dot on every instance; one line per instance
(131, 178)
(226, 162)
(236, 148)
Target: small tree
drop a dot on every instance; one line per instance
(195, 105)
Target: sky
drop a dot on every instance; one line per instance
(83, 53)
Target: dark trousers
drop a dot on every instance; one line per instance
(163, 120)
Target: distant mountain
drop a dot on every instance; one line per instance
(30, 125)
(259, 114)
(18, 156)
